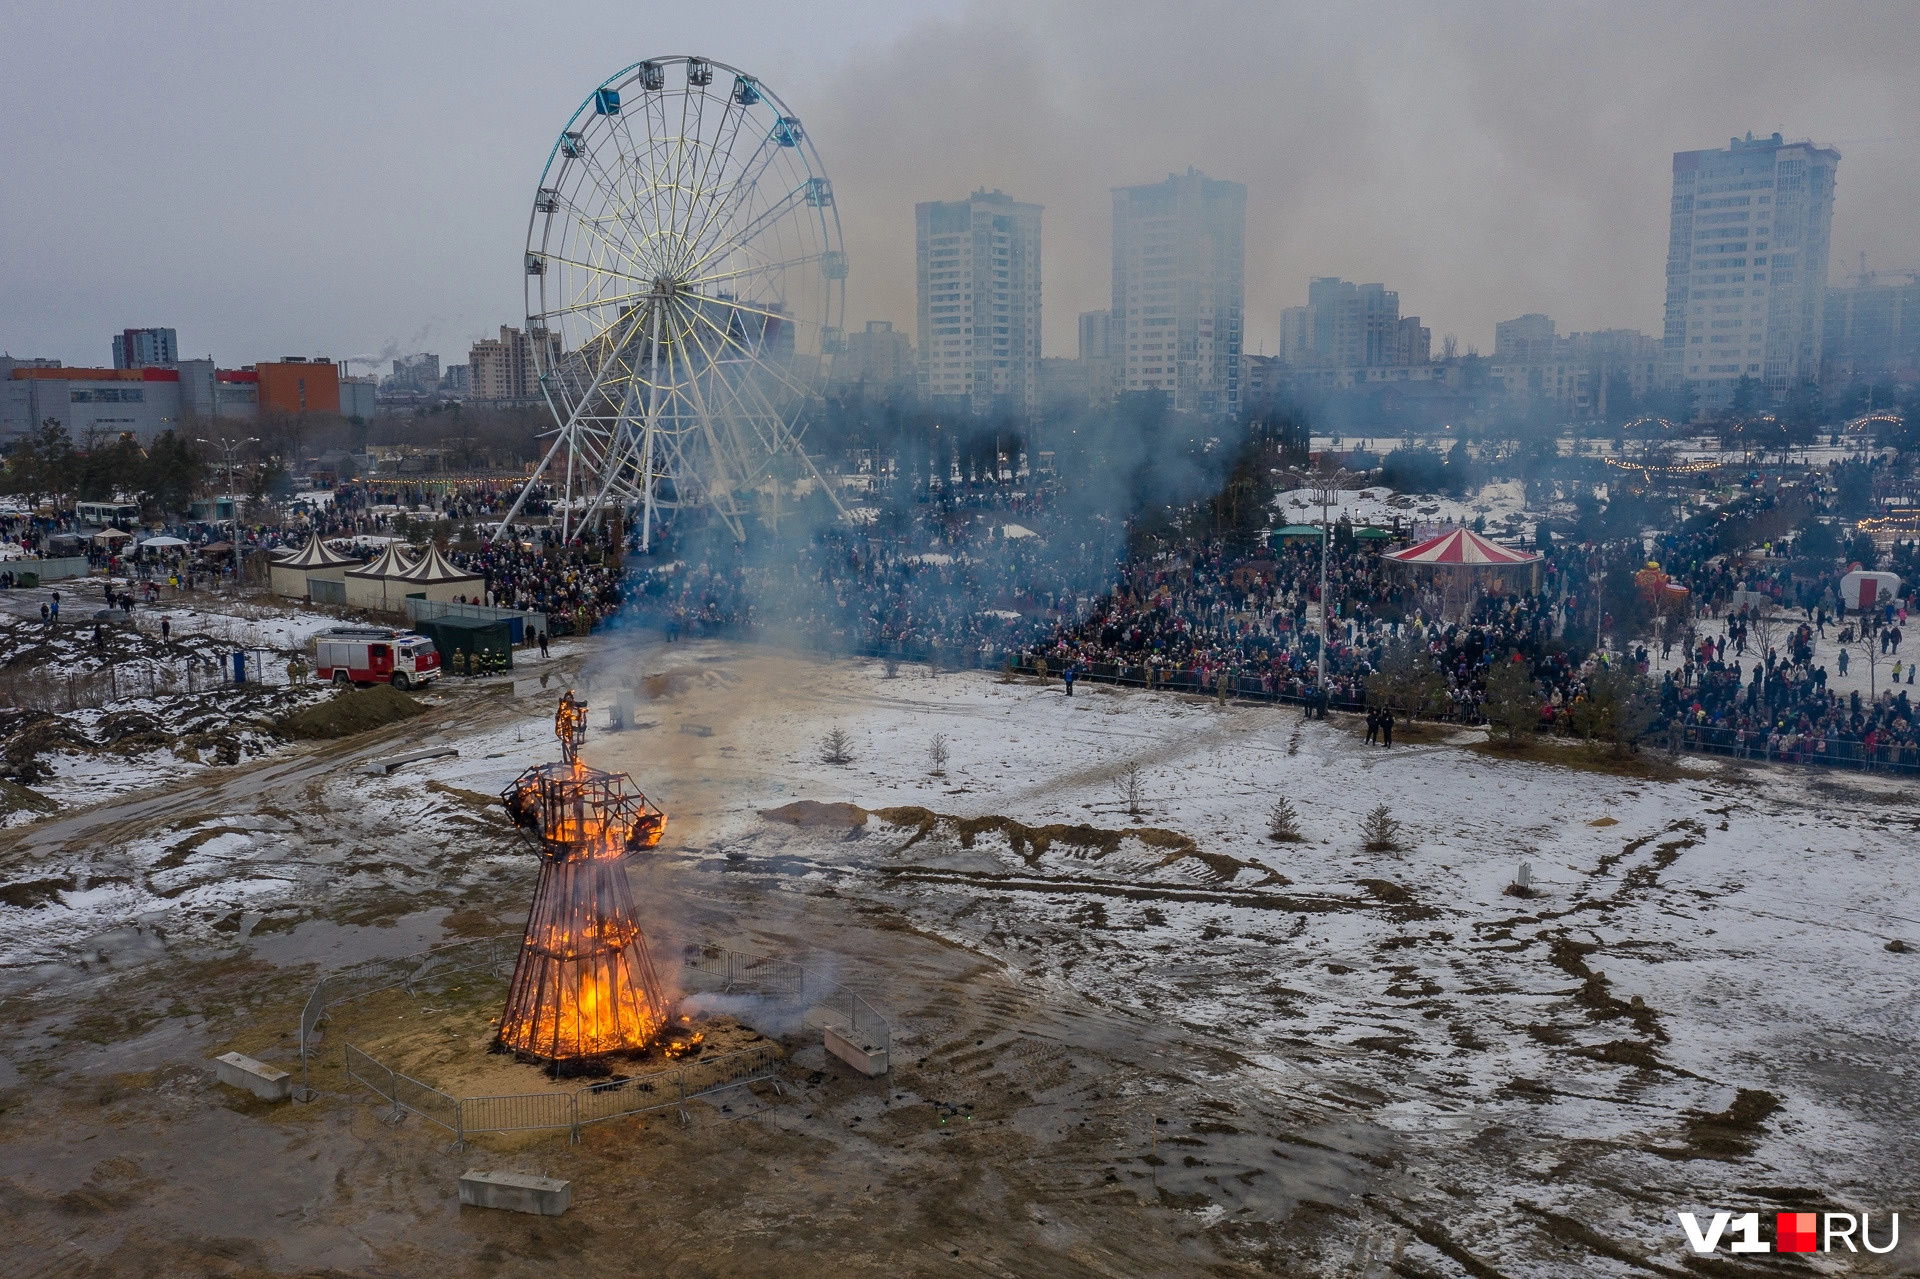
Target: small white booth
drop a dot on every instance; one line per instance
(1865, 588)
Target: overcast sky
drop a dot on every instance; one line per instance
(341, 179)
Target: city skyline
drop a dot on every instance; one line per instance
(1380, 151)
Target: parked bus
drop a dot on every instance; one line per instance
(121, 515)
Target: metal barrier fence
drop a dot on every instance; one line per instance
(57, 569)
(818, 1000)
(527, 625)
(1708, 739)
(543, 1111)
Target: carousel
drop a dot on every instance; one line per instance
(1460, 566)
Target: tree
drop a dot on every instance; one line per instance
(1513, 700)
(1862, 550)
(1381, 833)
(1283, 823)
(937, 755)
(1867, 644)
(1746, 395)
(836, 748)
(1407, 680)
(1131, 785)
(1618, 707)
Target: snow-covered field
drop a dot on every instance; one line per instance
(1502, 506)
(1690, 938)
(1696, 1011)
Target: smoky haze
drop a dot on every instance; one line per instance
(271, 181)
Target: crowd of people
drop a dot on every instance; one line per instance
(968, 583)
(1785, 707)
(579, 581)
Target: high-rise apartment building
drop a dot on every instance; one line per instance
(504, 370)
(1096, 335)
(978, 264)
(1575, 375)
(1178, 259)
(1872, 327)
(419, 374)
(1747, 266)
(877, 359)
(145, 349)
(1351, 326)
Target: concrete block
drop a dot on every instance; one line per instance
(854, 1048)
(239, 1071)
(515, 1192)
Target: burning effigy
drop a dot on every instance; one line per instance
(584, 985)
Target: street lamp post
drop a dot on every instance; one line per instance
(1324, 483)
(233, 521)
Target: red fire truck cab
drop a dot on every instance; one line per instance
(375, 655)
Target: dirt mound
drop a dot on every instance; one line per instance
(15, 798)
(1732, 1133)
(352, 712)
(811, 812)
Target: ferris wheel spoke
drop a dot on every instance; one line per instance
(592, 304)
(747, 234)
(586, 220)
(599, 269)
(760, 364)
(733, 198)
(609, 228)
(606, 184)
(759, 269)
(719, 161)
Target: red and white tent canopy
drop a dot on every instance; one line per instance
(1462, 548)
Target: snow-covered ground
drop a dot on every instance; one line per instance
(1692, 938)
(1502, 506)
(1689, 939)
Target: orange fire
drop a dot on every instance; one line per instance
(584, 984)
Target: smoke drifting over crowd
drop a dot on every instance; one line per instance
(1484, 162)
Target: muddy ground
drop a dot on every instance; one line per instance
(1125, 1043)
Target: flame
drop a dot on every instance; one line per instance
(584, 984)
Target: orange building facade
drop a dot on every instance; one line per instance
(299, 386)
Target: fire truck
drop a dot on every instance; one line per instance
(375, 655)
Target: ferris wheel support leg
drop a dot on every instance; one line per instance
(518, 502)
(646, 458)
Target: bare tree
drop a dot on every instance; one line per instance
(891, 665)
(1382, 833)
(937, 755)
(1131, 785)
(1283, 823)
(836, 748)
(1867, 645)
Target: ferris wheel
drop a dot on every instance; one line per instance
(685, 291)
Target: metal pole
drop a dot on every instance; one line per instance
(1326, 535)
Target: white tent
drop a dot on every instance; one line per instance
(438, 578)
(292, 572)
(380, 585)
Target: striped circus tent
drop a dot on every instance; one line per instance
(1463, 548)
(1460, 565)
